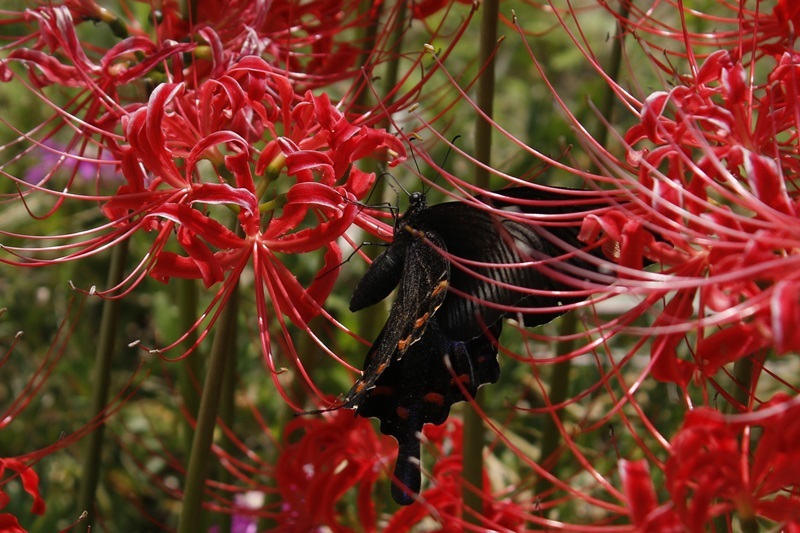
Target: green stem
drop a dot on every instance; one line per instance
(226, 416)
(474, 430)
(742, 384)
(369, 38)
(485, 92)
(740, 391)
(472, 468)
(393, 65)
(191, 512)
(609, 98)
(190, 369)
(559, 392)
(101, 384)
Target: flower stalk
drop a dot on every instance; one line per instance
(473, 423)
(191, 517)
(189, 369)
(101, 379)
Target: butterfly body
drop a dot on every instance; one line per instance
(440, 339)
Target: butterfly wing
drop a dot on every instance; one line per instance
(479, 235)
(423, 361)
(420, 388)
(422, 289)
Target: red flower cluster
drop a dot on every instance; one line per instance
(748, 464)
(715, 156)
(324, 458)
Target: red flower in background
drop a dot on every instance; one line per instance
(246, 120)
(30, 483)
(747, 464)
(716, 464)
(322, 459)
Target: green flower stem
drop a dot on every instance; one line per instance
(368, 38)
(393, 65)
(609, 98)
(559, 392)
(472, 469)
(190, 370)
(740, 390)
(485, 91)
(742, 384)
(226, 415)
(101, 384)
(191, 512)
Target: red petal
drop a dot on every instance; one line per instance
(727, 346)
(785, 315)
(638, 488)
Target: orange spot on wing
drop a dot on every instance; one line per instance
(402, 413)
(421, 320)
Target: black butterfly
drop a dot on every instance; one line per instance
(435, 337)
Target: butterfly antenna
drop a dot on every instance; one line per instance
(390, 175)
(444, 161)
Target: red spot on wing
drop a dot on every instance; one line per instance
(434, 398)
(382, 390)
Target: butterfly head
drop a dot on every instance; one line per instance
(417, 199)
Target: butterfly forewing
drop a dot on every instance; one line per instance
(422, 289)
(484, 236)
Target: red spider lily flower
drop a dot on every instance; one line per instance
(738, 169)
(322, 459)
(317, 151)
(711, 467)
(30, 482)
(317, 147)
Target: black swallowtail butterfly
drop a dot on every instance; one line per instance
(435, 336)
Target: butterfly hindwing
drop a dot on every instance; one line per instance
(420, 388)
